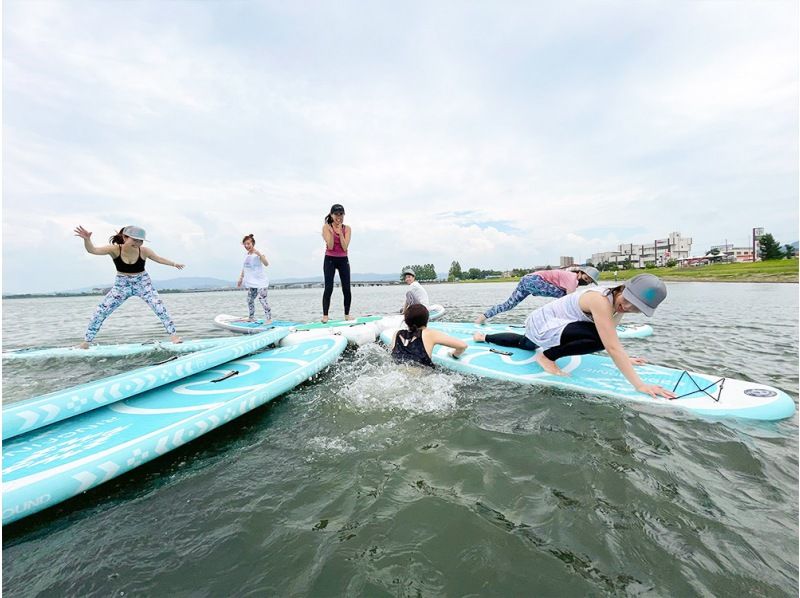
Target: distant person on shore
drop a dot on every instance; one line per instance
(128, 255)
(337, 239)
(544, 283)
(254, 279)
(415, 345)
(585, 322)
(415, 295)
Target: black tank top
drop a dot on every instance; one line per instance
(135, 268)
(408, 347)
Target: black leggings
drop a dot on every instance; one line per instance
(329, 267)
(578, 338)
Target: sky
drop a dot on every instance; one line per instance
(498, 134)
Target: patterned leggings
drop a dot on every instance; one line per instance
(530, 284)
(124, 287)
(252, 293)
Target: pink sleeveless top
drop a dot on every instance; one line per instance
(337, 250)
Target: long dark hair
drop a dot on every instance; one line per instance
(251, 237)
(328, 219)
(117, 239)
(416, 317)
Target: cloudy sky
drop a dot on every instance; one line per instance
(499, 134)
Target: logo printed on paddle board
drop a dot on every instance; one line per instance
(760, 392)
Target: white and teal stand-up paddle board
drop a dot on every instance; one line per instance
(624, 331)
(45, 467)
(120, 350)
(597, 375)
(24, 416)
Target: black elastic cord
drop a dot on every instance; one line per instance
(230, 374)
(167, 360)
(499, 352)
(721, 383)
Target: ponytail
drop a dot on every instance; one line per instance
(328, 219)
(416, 317)
(117, 239)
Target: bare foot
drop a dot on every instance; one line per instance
(480, 320)
(349, 317)
(267, 322)
(176, 339)
(479, 337)
(83, 345)
(324, 319)
(250, 320)
(548, 365)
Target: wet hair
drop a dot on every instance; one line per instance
(251, 237)
(416, 317)
(119, 238)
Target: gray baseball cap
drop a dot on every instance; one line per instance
(409, 271)
(134, 232)
(646, 292)
(591, 272)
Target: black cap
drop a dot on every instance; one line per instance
(337, 208)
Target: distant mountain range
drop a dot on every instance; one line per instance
(184, 284)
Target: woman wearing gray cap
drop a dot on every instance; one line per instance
(544, 283)
(337, 239)
(129, 256)
(586, 322)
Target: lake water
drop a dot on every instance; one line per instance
(378, 480)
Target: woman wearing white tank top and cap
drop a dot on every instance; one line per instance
(586, 322)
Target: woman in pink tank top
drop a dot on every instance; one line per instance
(337, 239)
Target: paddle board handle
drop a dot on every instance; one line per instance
(167, 360)
(230, 374)
(499, 352)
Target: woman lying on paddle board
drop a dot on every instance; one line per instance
(129, 256)
(544, 283)
(586, 322)
(416, 344)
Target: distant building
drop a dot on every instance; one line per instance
(658, 253)
(564, 261)
(729, 253)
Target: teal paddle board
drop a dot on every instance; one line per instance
(596, 374)
(624, 331)
(44, 467)
(30, 414)
(118, 350)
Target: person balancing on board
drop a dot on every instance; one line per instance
(544, 283)
(586, 322)
(125, 249)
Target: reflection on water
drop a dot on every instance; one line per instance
(378, 479)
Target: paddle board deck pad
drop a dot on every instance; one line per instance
(624, 331)
(595, 374)
(120, 350)
(45, 467)
(30, 414)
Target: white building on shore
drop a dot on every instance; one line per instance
(658, 253)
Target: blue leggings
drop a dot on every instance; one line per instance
(530, 284)
(125, 287)
(252, 293)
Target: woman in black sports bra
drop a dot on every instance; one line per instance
(415, 345)
(129, 257)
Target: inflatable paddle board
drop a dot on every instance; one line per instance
(246, 326)
(624, 331)
(45, 467)
(120, 350)
(30, 414)
(597, 375)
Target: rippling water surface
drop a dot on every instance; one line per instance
(380, 480)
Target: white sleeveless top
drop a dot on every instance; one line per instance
(545, 325)
(255, 275)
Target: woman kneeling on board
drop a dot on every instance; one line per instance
(416, 344)
(586, 322)
(129, 256)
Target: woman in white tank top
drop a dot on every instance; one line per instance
(586, 322)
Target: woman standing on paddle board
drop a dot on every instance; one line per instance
(586, 322)
(416, 344)
(337, 240)
(254, 279)
(544, 283)
(129, 257)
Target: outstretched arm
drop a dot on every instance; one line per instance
(89, 246)
(152, 255)
(440, 338)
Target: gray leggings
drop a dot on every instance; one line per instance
(252, 293)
